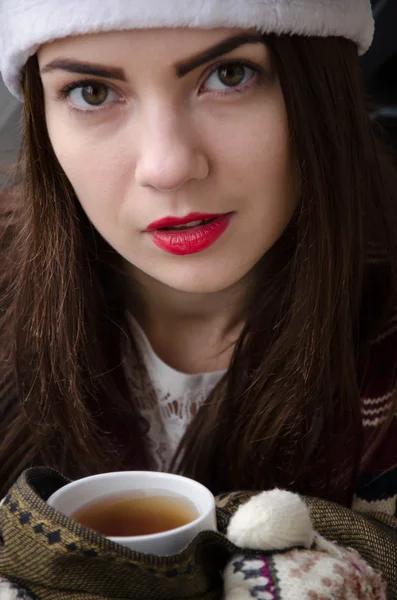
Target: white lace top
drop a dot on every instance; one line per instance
(178, 396)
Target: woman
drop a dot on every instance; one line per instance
(201, 252)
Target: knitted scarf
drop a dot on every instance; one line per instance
(54, 558)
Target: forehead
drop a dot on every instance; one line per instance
(163, 44)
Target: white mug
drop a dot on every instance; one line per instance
(74, 496)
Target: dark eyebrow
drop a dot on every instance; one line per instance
(223, 47)
(72, 66)
(182, 68)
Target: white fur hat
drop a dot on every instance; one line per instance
(27, 24)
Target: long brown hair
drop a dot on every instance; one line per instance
(288, 411)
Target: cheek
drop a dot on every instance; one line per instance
(274, 190)
(273, 168)
(260, 165)
(97, 170)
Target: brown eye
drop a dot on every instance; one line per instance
(231, 75)
(95, 95)
(89, 96)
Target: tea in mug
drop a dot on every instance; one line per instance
(130, 514)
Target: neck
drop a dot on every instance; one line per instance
(191, 332)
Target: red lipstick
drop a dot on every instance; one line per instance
(190, 234)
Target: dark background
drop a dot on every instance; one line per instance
(380, 68)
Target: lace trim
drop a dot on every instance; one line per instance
(176, 399)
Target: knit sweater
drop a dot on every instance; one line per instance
(377, 485)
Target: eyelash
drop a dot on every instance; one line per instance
(64, 93)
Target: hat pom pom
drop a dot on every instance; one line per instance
(273, 520)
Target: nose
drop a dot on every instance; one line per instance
(169, 154)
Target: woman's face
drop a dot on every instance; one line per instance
(158, 127)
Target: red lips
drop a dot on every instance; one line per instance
(176, 221)
(208, 228)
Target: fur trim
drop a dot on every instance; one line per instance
(26, 24)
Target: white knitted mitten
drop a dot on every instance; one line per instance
(320, 570)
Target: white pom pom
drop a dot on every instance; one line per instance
(274, 520)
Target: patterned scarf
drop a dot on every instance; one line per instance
(54, 558)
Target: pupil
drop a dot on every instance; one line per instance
(95, 94)
(232, 74)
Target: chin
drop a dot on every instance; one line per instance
(196, 284)
(199, 289)
(207, 277)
